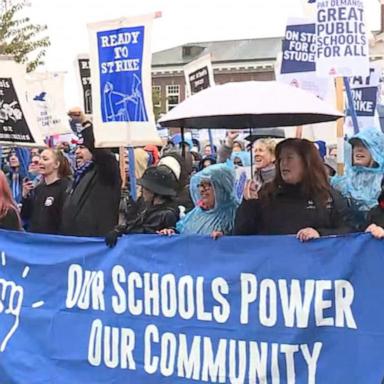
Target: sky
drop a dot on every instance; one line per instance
(182, 21)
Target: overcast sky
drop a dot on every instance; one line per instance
(183, 21)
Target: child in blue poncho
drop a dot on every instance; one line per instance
(212, 191)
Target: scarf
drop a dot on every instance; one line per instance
(81, 171)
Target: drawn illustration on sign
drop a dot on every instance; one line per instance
(117, 104)
(10, 111)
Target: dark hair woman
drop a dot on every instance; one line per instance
(298, 201)
(9, 214)
(42, 204)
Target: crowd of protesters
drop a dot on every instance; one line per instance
(80, 190)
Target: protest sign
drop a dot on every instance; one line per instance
(18, 125)
(198, 75)
(298, 60)
(299, 47)
(120, 63)
(364, 92)
(46, 96)
(242, 175)
(190, 309)
(342, 40)
(84, 75)
(297, 67)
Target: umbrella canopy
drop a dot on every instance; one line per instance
(250, 104)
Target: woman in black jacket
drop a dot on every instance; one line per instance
(42, 205)
(298, 201)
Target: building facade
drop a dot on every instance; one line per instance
(233, 60)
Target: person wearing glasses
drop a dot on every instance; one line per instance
(212, 191)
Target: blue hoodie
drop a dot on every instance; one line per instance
(363, 184)
(222, 216)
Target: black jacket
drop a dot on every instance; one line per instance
(376, 216)
(288, 211)
(43, 208)
(10, 221)
(92, 207)
(149, 220)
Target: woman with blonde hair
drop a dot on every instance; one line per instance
(264, 160)
(42, 205)
(9, 215)
(263, 152)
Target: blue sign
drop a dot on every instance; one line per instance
(120, 54)
(364, 101)
(299, 49)
(191, 310)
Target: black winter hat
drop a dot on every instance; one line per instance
(160, 180)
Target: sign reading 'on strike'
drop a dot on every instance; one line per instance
(188, 309)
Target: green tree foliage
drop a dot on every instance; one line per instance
(20, 38)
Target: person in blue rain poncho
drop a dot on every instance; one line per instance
(363, 178)
(241, 159)
(212, 191)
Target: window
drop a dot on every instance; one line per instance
(156, 95)
(173, 96)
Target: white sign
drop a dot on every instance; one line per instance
(297, 66)
(18, 125)
(342, 40)
(198, 75)
(120, 64)
(46, 96)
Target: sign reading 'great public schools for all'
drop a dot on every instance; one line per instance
(342, 41)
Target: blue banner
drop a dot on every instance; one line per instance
(190, 309)
(299, 49)
(120, 55)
